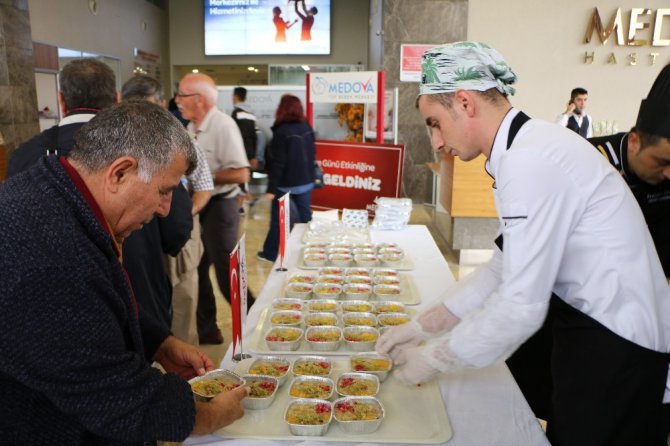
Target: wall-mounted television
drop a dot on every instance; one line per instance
(278, 27)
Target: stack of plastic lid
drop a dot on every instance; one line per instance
(355, 218)
(392, 213)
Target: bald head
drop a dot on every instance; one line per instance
(201, 84)
(196, 97)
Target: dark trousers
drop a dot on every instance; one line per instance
(220, 222)
(592, 386)
(301, 212)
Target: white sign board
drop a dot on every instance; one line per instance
(353, 87)
(263, 101)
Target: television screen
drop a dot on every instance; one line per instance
(246, 27)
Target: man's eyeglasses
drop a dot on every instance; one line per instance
(183, 95)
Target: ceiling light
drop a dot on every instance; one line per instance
(195, 70)
(251, 68)
(256, 70)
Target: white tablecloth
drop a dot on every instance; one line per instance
(485, 406)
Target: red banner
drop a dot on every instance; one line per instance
(357, 173)
(235, 307)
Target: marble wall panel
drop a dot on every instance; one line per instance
(9, 134)
(16, 27)
(418, 21)
(18, 97)
(426, 21)
(25, 104)
(18, 4)
(6, 108)
(4, 72)
(24, 132)
(20, 66)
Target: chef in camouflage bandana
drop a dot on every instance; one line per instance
(573, 320)
(465, 65)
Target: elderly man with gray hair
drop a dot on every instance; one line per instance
(573, 249)
(220, 139)
(74, 369)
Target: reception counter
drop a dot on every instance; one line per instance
(485, 406)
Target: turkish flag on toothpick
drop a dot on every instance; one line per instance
(244, 280)
(235, 307)
(284, 229)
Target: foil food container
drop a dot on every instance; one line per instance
(259, 403)
(217, 373)
(272, 359)
(283, 346)
(318, 380)
(360, 346)
(323, 346)
(309, 430)
(359, 426)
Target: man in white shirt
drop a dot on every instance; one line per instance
(574, 116)
(573, 248)
(220, 139)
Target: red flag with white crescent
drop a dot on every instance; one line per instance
(244, 279)
(284, 218)
(235, 307)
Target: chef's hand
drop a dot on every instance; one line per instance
(400, 337)
(437, 319)
(184, 359)
(434, 320)
(411, 366)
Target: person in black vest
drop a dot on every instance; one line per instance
(246, 121)
(573, 250)
(86, 87)
(642, 157)
(574, 116)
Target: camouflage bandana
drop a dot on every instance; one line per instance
(465, 66)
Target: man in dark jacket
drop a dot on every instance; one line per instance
(73, 369)
(86, 87)
(145, 249)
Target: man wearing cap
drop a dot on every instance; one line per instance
(573, 248)
(642, 157)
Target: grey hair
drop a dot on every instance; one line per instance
(136, 128)
(142, 86)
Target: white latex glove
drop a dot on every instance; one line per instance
(412, 366)
(400, 337)
(437, 319)
(431, 322)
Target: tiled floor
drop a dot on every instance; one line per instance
(255, 224)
